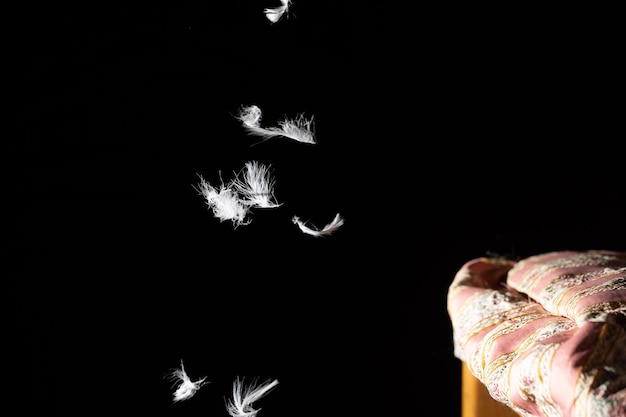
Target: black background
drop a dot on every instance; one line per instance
(443, 134)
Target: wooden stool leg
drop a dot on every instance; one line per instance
(476, 401)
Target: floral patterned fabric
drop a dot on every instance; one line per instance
(546, 334)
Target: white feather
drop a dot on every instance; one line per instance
(300, 129)
(250, 116)
(257, 186)
(275, 13)
(329, 229)
(225, 202)
(186, 387)
(243, 397)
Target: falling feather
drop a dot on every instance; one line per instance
(250, 116)
(256, 188)
(329, 229)
(274, 14)
(243, 397)
(300, 129)
(186, 387)
(225, 202)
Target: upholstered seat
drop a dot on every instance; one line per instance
(545, 335)
(476, 401)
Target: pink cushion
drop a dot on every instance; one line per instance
(547, 334)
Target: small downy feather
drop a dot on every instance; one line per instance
(299, 129)
(186, 387)
(329, 229)
(250, 116)
(243, 397)
(275, 13)
(225, 202)
(257, 186)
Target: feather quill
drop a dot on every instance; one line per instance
(243, 397)
(274, 14)
(329, 229)
(300, 129)
(186, 387)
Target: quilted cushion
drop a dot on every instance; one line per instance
(546, 334)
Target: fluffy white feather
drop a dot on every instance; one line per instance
(301, 129)
(274, 14)
(329, 229)
(225, 202)
(256, 188)
(250, 116)
(243, 397)
(186, 387)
